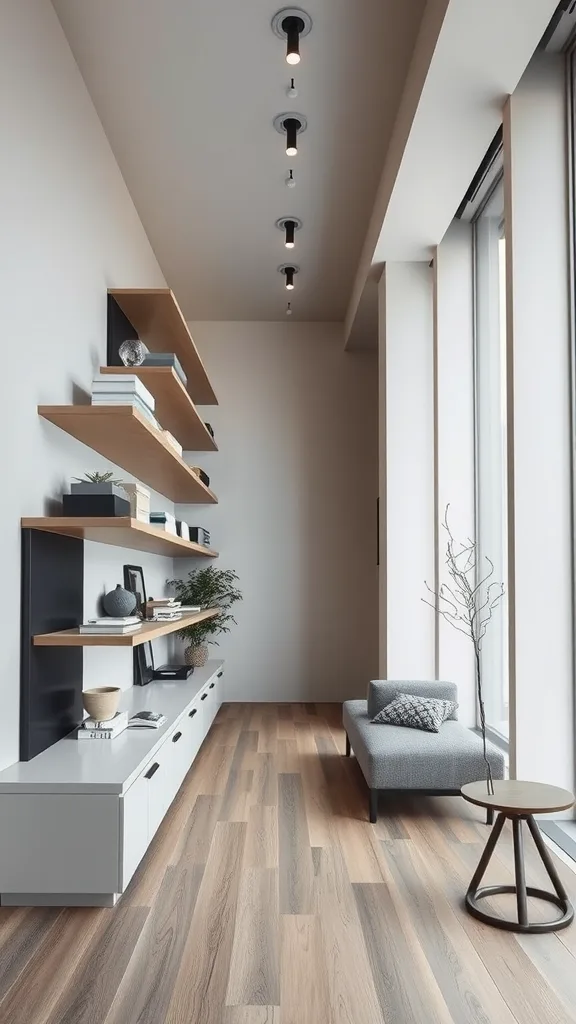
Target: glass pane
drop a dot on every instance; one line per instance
(490, 290)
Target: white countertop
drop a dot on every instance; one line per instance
(108, 766)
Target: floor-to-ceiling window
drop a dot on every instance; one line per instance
(490, 362)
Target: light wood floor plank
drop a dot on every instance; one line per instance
(351, 987)
(93, 986)
(396, 962)
(254, 970)
(305, 997)
(251, 1015)
(44, 981)
(296, 869)
(148, 984)
(200, 989)
(261, 849)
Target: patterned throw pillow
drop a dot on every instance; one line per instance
(427, 713)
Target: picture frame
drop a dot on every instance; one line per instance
(143, 664)
(143, 657)
(134, 582)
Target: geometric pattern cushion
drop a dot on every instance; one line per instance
(425, 713)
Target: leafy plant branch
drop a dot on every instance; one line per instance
(468, 605)
(208, 588)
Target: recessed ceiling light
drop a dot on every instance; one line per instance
(292, 125)
(292, 24)
(289, 270)
(289, 225)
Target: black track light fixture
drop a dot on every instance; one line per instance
(289, 271)
(292, 24)
(292, 125)
(293, 27)
(289, 225)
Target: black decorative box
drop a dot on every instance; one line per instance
(96, 505)
(199, 535)
(203, 476)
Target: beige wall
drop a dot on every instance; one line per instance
(296, 476)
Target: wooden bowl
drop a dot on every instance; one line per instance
(102, 702)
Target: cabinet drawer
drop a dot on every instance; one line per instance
(134, 828)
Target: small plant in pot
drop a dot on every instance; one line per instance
(98, 483)
(207, 588)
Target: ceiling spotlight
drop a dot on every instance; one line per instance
(292, 24)
(292, 125)
(292, 91)
(288, 269)
(289, 309)
(290, 181)
(289, 225)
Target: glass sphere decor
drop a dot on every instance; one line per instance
(133, 352)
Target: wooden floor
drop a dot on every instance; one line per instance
(267, 898)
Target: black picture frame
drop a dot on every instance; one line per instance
(134, 582)
(143, 660)
(143, 664)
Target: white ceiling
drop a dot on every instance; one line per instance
(187, 92)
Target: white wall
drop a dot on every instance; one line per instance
(296, 476)
(407, 490)
(69, 231)
(539, 427)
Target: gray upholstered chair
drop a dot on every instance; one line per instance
(398, 759)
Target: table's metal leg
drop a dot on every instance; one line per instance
(488, 851)
(521, 900)
(546, 858)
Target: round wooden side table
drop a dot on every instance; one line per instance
(519, 801)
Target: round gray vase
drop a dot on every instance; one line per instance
(119, 602)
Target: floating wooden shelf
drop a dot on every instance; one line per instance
(148, 631)
(157, 317)
(122, 532)
(175, 410)
(124, 436)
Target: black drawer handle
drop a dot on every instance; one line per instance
(176, 737)
(152, 771)
(212, 685)
(220, 674)
(192, 713)
(203, 697)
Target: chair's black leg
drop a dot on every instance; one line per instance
(489, 815)
(373, 806)
(488, 851)
(546, 858)
(521, 898)
(348, 748)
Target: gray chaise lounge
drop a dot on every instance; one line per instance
(394, 758)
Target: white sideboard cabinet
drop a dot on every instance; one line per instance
(76, 820)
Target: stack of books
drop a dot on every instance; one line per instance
(124, 389)
(164, 609)
(91, 729)
(111, 626)
(139, 501)
(165, 520)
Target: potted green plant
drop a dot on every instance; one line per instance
(98, 483)
(206, 588)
